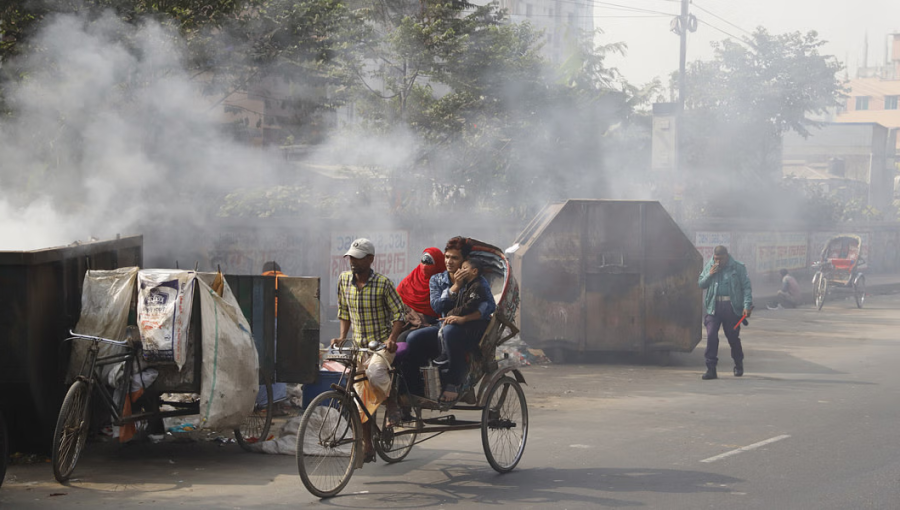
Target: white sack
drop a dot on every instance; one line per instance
(105, 301)
(230, 369)
(165, 300)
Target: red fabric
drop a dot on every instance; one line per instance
(414, 290)
(843, 263)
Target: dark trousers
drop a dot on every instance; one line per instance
(457, 342)
(723, 317)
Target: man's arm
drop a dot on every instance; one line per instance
(441, 301)
(748, 290)
(705, 276)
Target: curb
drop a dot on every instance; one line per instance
(878, 289)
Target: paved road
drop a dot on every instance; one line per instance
(812, 425)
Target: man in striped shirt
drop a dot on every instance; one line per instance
(369, 302)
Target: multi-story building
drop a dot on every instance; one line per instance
(561, 21)
(874, 96)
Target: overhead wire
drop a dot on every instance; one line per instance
(720, 18)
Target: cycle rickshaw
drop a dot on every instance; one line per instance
(124, 405)
(329, 439)
(840, 267)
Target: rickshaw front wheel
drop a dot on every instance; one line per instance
(328, 443)
(504, 425)
(819, 289)
(859, 291)
(71, 430)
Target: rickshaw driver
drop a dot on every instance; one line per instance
(369, 302)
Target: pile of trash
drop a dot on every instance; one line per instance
(515, 352)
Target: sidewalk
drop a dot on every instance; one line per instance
(765, 292)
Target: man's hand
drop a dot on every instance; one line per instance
(714, 269)
(336, 341)
(747, 311)
(390, 345)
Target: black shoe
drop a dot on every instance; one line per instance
(738, 370)
(441, 360)
(710, 374)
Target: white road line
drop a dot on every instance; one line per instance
(746, 448)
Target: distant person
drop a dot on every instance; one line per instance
(789, 295)
(279, 390)
(368, 301)
(728, 296)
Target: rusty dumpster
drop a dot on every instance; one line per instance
(41, 301)
(607, 276)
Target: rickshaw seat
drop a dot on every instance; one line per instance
(845, 264)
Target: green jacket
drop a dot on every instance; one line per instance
(736, 274)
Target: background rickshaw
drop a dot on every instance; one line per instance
(329, 439)
(294, 356)
(840, 268)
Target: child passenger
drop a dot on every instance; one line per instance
(470, 300)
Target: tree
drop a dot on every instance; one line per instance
(738, 107)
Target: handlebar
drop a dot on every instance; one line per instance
(78, 336)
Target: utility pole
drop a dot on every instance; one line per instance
(684, 26)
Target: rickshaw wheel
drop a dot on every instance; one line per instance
(255, 428)
(859, 291)
(504, 425)
(71, 430)
(820, 289)
(391, 448)
(4, 449)
(328, 443)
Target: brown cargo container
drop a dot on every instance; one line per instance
(607, 276)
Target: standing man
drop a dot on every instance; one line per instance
(368, 301)
(728, 296)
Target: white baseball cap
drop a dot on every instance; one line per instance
(361, 248)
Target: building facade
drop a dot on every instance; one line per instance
(561, 21)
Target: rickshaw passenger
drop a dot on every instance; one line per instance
(423, 344)
(474, 303)
(416, 295)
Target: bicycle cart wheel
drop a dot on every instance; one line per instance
(328, 443)
(859, 291)
(504, 425)
(255, 428)
(4, 449)
(390, 447)
(819, 290)
(71, 430)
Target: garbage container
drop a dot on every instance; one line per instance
(41, 292)
(607, 276)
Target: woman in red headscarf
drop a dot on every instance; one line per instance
(414, 290)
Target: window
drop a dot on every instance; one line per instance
(528, 10)
(890, 102)
(862, 102)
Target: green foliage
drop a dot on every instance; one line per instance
(740, 104)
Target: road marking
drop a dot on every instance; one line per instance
(746, 448)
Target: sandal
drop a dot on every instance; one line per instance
(451, 393)
(394, 415)
(370, 457)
